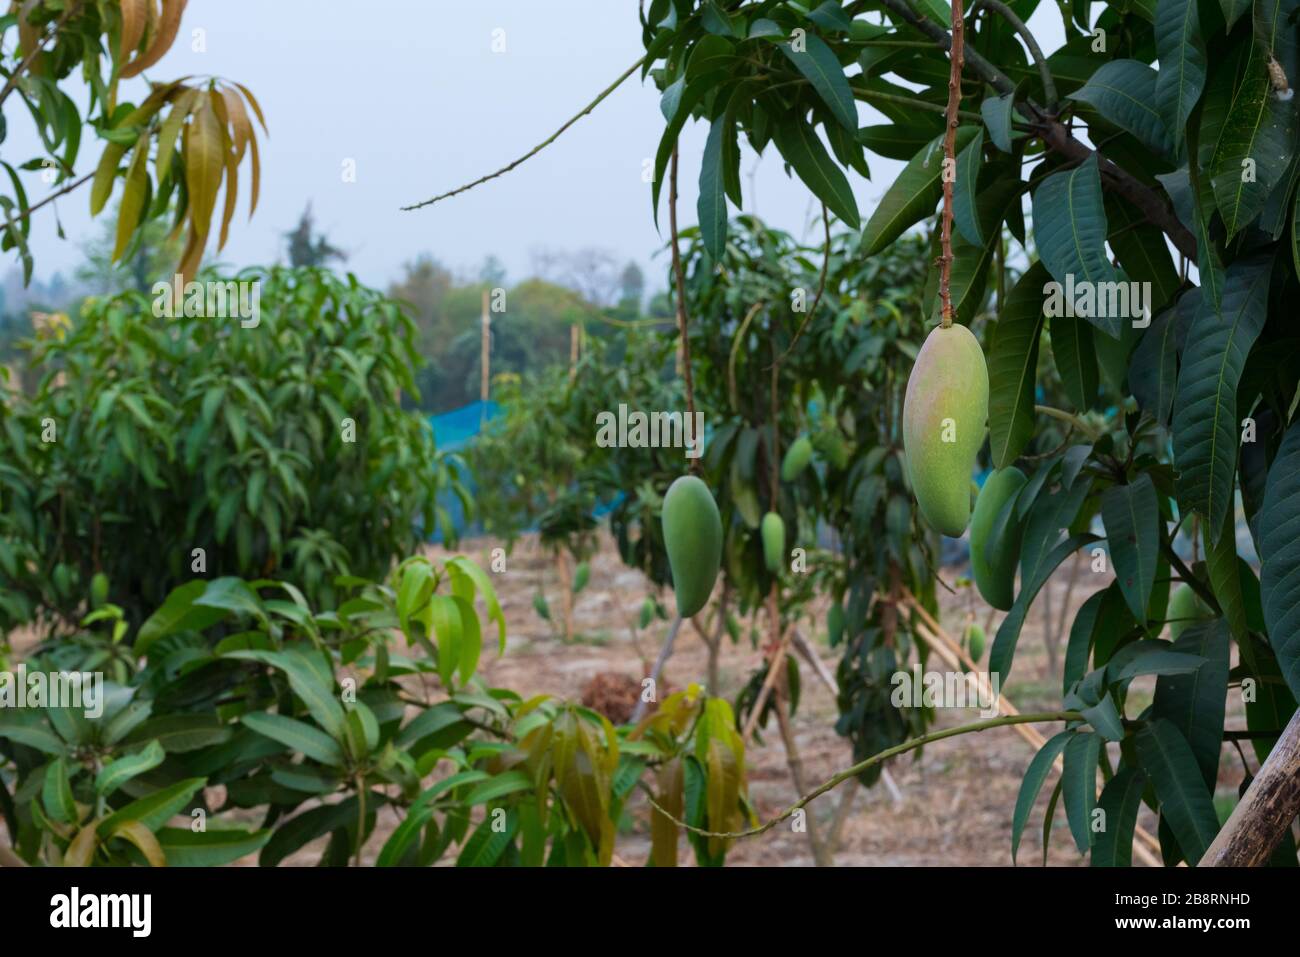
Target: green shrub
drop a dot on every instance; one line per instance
(235, 704)
(278, 449)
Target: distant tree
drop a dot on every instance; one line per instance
(631, 285)
(309, 248)
(151, 257)
(592, 272)
(493, 272)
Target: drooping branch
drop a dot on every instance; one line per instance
(852, 772)
(536, 149)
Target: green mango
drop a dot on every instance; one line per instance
(693, 540)
(773, 542)
(581, 576)
(797, 457)
(1185, 608)
(944, 414)
(975, 641)
(993, 557)
(541, 607)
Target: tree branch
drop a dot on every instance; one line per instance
(536, 149)
(1035, 51)
(855, 770)
(1059, 138)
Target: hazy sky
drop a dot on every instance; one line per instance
(413, 92)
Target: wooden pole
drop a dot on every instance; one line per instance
(1269, 806)
(574, 335)
(486, 355)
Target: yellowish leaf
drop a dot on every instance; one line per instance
(171, 129)
(169, 23)
(252, 101)
(204, 162)
(144, 840)
(101, 188)
(240, 125)
(670, 787)
(134, 15)
(82, 849)
(133, 195)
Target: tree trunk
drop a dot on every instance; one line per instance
(1269, 806)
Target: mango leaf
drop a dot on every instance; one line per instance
(1079, 785)
(1124, 93)
(817, 62)
(1181, 51)
(1193, 702)
(116, 773)
(488, 843)
(212, 848)
(1076, 360)
(1013, 362)
(1070, 228)
(1120, 801)
(1039, 768)
(303, 828)
(56, 794)
(1280, 551)
(965, 189)
(712, 204)
(799, 144)
(997, 113)
(1185, 803)
(296, 735)
(1004, 645)
(461, 566)
(1255, 145)
(154, 810)
(1131, 514)
(178, 612)
(912, 196)
(1153, 369)
(1205, 405)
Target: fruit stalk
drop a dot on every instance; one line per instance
(956, 57)
(679, 280)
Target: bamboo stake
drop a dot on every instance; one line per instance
(955, 657)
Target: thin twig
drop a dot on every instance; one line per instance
(1070, 418)
(735, 348)
(639, 711)
(536, 149)
(35, 51)
(950, 164)
(1035, 51)
(821, 287)
(53, 196)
